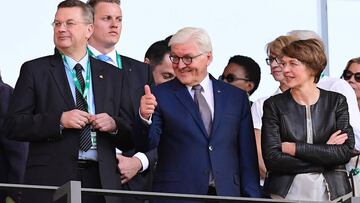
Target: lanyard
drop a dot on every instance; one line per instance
(118, 58)
(76, 81)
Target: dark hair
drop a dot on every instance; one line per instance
(309, 52)
(86, 9)
(93, 3)
(251, 68)
(157, 51)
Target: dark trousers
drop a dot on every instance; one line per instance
(89, 175)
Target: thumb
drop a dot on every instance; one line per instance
(147, 90)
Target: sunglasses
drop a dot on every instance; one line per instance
(231, 78)
(348, 74)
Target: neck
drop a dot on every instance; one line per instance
(101, 48)
(306, 94)
(76, 55)
(358, 101)
(283, 87)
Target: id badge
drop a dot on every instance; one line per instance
(93, 140)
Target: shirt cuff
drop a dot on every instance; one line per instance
(145, 121)
(144, 161)
(118, 151)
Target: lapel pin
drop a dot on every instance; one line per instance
(219, 91)
(101, 76)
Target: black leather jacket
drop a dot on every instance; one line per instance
(284, 120)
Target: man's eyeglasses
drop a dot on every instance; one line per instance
(348, 74)
(271, 59)
(231, 78)
(67, 24)
(187, 60)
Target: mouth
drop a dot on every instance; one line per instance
(113, 33)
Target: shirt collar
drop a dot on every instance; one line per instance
(71, 62)
(111, 54)
(205, 83)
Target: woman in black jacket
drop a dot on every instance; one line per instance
(306, 135)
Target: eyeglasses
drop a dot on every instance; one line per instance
(68, 24)
(187, 60)
(348, 74)
(231, 78)
(271, 59)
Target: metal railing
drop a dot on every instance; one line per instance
(72, 190)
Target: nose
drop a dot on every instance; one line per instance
(181, 64)
(115, 23)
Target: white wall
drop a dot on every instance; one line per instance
(235, 26)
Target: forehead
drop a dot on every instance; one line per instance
(187, 48)
(355, 67)
(108, 8)
(73, 13)
(286, 58)
(234, 68)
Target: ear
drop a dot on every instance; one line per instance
(90, 30)
(250, 86)
(209, 57)
(147, 60)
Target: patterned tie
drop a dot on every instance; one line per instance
(204, 108)
(104, 58)
(85, 135)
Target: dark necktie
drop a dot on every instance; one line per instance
(204, 108)
(85, 135)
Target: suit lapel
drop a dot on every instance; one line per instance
(218, 103)
(98, 78)
(183, 95)
(58, 72)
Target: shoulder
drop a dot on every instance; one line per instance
(331, 96)
(41, 63)
(133, 63)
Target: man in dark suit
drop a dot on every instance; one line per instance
(107, 29)
(68, 106)
(202, 127)
(13, 154)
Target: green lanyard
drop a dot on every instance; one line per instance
(118, 57)
(76, 81)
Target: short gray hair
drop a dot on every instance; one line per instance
(87, 11)
(197, 35)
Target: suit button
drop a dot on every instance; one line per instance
(211, 148)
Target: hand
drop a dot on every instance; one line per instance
(288, 148)
(147, 103)
(103, 122)
(337, 138)
(74, 119)
(129, 167)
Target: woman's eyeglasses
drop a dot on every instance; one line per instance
(231, 78)
(348, 74)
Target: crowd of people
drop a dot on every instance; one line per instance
(90, 114)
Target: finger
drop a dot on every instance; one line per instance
(340, 137)
(147, 90)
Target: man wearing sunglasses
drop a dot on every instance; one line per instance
(242, 72)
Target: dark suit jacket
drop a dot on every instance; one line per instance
(136, 76)
(13, 154)
(186, 154)
(40, 96)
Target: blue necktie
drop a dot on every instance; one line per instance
(104, 58)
